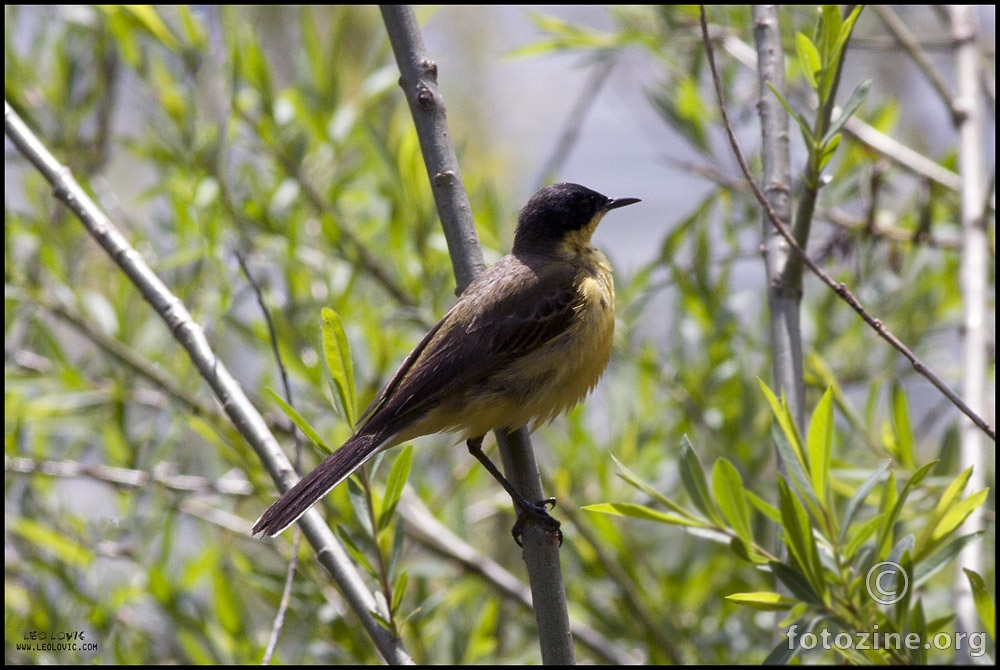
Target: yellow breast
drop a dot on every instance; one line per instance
(560, 374)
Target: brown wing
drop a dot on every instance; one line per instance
(509, 311)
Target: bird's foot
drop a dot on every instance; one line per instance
(539, 511)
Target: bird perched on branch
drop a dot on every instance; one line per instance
(526, 341)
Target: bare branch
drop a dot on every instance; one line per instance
(839, 288)
(914, 49)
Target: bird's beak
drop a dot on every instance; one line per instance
(620, 202)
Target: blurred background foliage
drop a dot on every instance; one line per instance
(280, 133)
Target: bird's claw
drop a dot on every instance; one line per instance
(540, 512)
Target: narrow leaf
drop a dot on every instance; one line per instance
(394, 484)
(858, 499)
(762, 600)
(695, 483)
(299, 421)
(807, 134)
(764, 507)
(849, 109)
(796, 582)
(885, 532)
(847, 27)
(642, 512)
(984, 603)
(819, 444)
(861, 535)
(398, 591)
(337, 353)
(957, 515)
(902, 429)
(798, 534)
(727, 487)
(638, 483)
(945, 503)
(929, 566)
(809, 59)
(779, 409)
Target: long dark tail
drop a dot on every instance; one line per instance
(337, 467)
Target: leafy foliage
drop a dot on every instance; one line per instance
(836, 543)
(279, 132)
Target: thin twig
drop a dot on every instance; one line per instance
(574, 123)
(162, 475)
(838, 287)
(911, 45)
(293, 563)
(898, 153)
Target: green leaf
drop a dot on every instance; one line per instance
(984, 603)
(830, 24)
(642, 512)
(944, 504)
(957, 515)
(359, 502)
(827, 152)
(858, 499)
(357, 555)
(819, 443)
(798, 534)
(764, 507)
(638, 483)
(794, 470)
(394, 484)
(929, 566)
(61, 546)
(780, 411)
(727, 487)
(299, 421)
(695, 483)
(847, 27)
(809, 59)
(337, 353)
(762, 600)
(855, 101)
(146, 19)
(885, 532)
(226, 605)
(902, 429)
(861, 535)
(803, 124)
(398, 591)
(796, 582)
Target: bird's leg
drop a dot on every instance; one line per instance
(538, 510)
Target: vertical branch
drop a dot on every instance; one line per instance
(418, 78)
(783, 300)
(968, 119)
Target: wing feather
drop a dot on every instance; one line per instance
(509, 311)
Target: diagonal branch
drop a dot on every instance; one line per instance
(227, 390)
(838, 287)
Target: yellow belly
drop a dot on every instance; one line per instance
(549, 380)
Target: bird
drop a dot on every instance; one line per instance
(527, 340)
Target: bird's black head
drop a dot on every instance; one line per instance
(557, 211)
